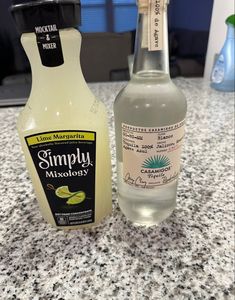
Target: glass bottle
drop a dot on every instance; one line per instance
(149, 123)
(63, 127)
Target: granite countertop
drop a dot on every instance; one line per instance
(189, 256)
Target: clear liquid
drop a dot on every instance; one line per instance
(149, 100)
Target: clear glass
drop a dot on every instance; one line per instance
(150, 99)
(150, 61)
(61, 100)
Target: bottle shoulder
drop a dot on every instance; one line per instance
(151, 92)
(63, 116)
(150, 105)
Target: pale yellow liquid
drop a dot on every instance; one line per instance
(61, 100)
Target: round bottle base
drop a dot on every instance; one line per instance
(146, 215)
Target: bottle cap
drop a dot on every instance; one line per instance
(29, 14)
(231, 20)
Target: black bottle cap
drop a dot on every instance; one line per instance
(29, 14)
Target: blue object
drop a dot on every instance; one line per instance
(95, 16)
(223, 73)
(125, 15)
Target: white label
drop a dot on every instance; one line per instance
(218, 71)
(143, 6)
(151, 155)
(155, 24)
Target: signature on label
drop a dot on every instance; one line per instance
(137, 182)
(171, 178)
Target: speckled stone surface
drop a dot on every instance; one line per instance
(189, 256)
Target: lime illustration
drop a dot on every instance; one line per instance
(73, 198)
(63, 192)
(77, 198)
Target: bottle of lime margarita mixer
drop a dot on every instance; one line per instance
(149, 121)
(63, 127)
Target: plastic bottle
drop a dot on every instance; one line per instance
(63, 127)
(223, 73)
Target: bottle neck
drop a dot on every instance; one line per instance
(55, 80)
(150, 63)
(231, 32)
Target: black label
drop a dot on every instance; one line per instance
(49, 45)
(65, 162)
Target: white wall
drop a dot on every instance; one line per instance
(221, 10)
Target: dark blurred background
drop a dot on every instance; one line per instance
(108, 29)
